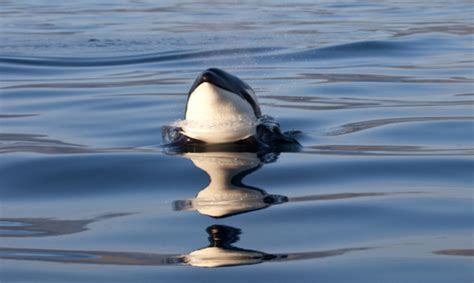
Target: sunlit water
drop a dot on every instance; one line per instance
(381, 190)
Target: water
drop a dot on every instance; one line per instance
(381, 190)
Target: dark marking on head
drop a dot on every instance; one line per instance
(228, 82)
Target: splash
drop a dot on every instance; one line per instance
(239, 123)
(267, 132)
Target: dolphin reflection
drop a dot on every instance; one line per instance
(226, 195)
(220, 252)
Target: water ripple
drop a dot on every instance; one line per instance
(335, 103)
(220, 257)
(364, 125)
(46, 227)
(127, 60)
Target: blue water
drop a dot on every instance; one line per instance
(381, 190)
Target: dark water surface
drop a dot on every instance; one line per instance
(381, 190)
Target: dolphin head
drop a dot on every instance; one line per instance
(221, 108)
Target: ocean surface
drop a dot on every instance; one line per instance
(380, 191)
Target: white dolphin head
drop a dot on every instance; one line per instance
(221, 108)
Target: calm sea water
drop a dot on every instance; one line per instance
(381, 191)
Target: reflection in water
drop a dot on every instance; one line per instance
(42, 227)
(219, 253)
(226, 195)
